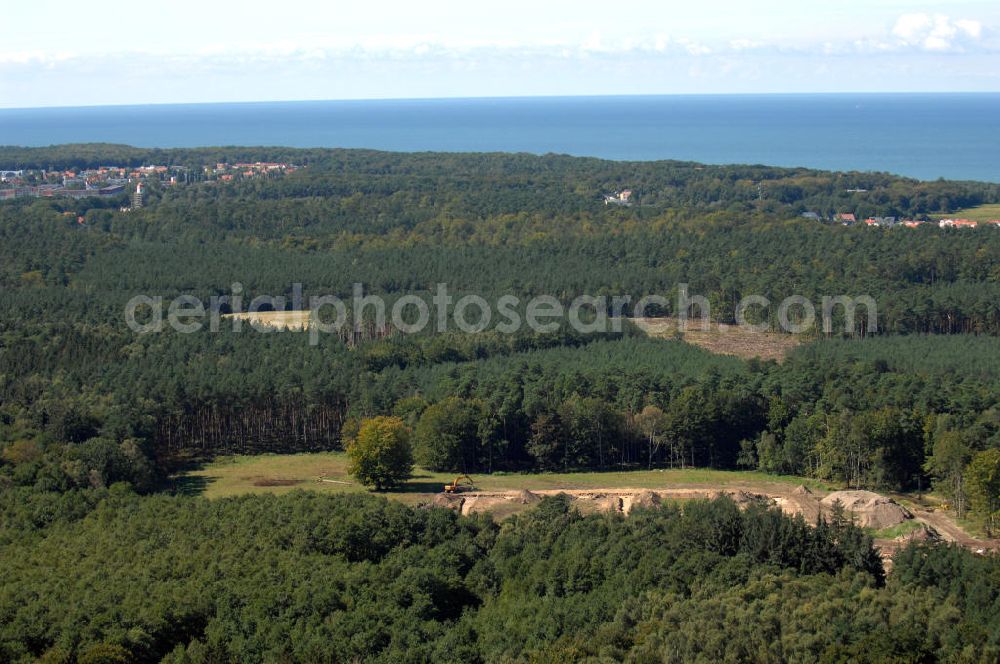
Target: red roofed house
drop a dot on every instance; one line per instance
(957, 223)
(846, 217)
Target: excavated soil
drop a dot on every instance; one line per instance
(448, 500)
(866, 508)
(588, 501)
(924, 533)
(869, 509)
(525, 497)
(641, 500)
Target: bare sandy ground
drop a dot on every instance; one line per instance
(866, 508)
(723, 339)
(288, 320)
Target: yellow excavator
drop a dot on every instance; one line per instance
(461, 483)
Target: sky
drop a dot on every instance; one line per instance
(57, 53)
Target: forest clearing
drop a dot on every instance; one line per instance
(987, 212)
(173, 492)
(720, 339)
(327, 472)
(892, 521)
(723, 339)
(288, 320)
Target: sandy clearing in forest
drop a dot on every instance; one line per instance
(723, 339)
(868, 509)
(287, 320)
(720, 339)
(610, 500)
(504, 494)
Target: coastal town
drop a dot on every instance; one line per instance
(625, 198)
(111, 181)
(133, 182)
(849, 219)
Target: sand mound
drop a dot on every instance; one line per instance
(641, 500)
(646, 499)
(447, 500)
(924, 533)
(610, 504)
(488, 503)
(525, 497)
(850, 499)
(597, 503)
(745, 498)
(802, 490)
(869, 509)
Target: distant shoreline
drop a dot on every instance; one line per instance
(921, 135)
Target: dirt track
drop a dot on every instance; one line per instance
(950, 531)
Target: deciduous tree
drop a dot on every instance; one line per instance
(380, 453)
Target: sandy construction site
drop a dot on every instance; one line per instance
(893, 524)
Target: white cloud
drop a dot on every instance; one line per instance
(937, 33)
(912, 33)
(33, 58)
(909, 26)
(746, 44)
(972, 28)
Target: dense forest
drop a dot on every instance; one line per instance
(107, 576)
(94, 417)
(882, 412)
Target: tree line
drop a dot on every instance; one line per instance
(895, 412)
(105, 575)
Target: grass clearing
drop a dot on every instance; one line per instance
(898, 530)
(723, 339)
(972, 526)
(281, 473)
(979, 213)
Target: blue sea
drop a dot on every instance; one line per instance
(927, 136)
